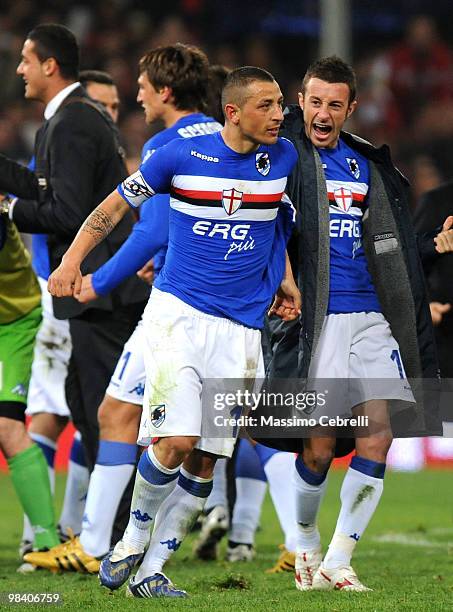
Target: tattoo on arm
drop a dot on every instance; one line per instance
(99, 225)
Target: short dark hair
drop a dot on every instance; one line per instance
(239, 79)
(332, 69)
(57, 41)
(183, 68)
(95, 76)
(217, 77)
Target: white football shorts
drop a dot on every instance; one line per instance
(359, 347)
(185, 348)
(128, 380)
(51, 356)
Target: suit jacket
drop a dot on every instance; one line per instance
(433, 209)
(78, 153)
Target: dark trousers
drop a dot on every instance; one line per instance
(98, 337)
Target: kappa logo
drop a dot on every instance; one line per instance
(139, 389)
(231, 200)
(157, 414)
(172, 544)
(353, 167)
(343, 197)
(143, 518)
(208, 158)
(263, 163)
(148, 154)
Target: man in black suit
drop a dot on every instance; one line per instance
(78, 161)
(433, 208)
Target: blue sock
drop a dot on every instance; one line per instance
(310, 477)
(116, 453)
(264, 453)
(368, 466)
(248, 464)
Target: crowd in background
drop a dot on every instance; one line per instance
(404, 64)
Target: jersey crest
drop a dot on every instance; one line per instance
(343, 197)
(231, 200)
(353, 167)
(157, 414)
(263, 163)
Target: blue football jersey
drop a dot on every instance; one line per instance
(347, 178)
(149, 236)
(194, 124)
(223, 211)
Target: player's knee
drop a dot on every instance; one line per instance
(177, 448)
(13, 436)
(375, 448)
(48, 424)
(116, 417)
(319, 459)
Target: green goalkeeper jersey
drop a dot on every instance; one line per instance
(19, 288)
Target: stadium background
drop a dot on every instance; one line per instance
(406, 553)
(414, 117)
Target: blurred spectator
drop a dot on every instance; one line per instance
(417, 70)
(424, 176)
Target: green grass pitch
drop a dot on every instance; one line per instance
(406, 556)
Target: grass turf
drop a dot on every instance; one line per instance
(406, 556)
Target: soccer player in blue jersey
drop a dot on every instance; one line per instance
(225, 260)
(172, 88)
(356, 277)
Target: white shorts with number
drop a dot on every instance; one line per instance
(50, 362)
(184, 347)
(128, 380)
(359, 346)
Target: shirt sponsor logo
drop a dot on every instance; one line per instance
(340, 228)
(238, 233)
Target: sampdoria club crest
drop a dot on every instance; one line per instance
(353, 167)
(263, 163)
(157, 414)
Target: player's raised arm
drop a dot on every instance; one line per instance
(66, 279)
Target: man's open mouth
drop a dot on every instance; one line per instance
(322, 128)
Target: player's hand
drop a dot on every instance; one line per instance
(66, 280)
(287, 302)
(437, 311)
(444, 239)
(147, 272)
(87, 292)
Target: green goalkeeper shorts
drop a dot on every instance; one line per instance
(17, 341)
